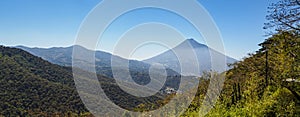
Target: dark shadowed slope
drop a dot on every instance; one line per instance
(32, 86)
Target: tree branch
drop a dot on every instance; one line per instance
(288, 25)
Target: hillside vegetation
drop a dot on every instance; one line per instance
(32, 86)
(260, 87)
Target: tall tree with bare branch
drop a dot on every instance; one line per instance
(283, 15)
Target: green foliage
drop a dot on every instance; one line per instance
(32, 86)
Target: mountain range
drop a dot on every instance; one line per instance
(63, 56)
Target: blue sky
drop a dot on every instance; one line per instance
(54, 23)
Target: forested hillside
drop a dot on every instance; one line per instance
(32, 86)
(267, 82)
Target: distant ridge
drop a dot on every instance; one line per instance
(139, 70)
(63, 56)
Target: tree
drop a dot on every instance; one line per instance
(284, 15)
(284, 50)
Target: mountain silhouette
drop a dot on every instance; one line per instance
(185, 57)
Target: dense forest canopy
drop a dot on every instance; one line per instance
(32, 86)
